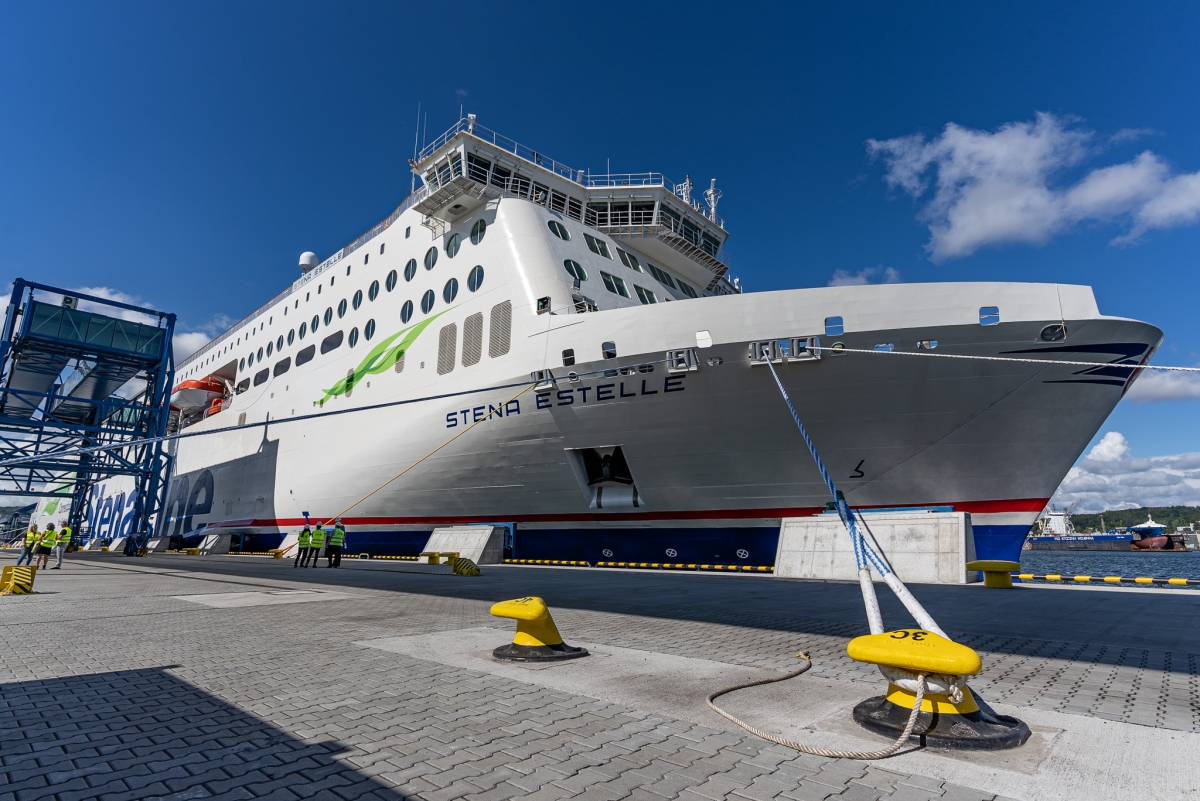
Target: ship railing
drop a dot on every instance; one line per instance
(501, 142)
(637, 179)
(638, 219)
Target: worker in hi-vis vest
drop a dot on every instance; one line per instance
(31, 540)
(318, 542)
(64, 539)
(302, 541)
(46, 546)
(336, 540)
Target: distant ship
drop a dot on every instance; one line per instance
(1059, 534)
(1151, 536)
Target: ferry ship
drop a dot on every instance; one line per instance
(655, 430)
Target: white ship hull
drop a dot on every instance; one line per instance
(714, 456)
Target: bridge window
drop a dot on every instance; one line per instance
(688, 290)
(597, 246)
(629, 260)
(660, 276)
(645, 295)
(614, 285)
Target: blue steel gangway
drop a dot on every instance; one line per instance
(72, 378)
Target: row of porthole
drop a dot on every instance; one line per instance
(453, 244)
(449, 293)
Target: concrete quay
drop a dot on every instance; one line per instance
(188, 677)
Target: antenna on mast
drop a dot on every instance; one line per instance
(685, 188)
(416, 133)
(712, 195)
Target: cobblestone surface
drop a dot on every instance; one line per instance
(112, 688)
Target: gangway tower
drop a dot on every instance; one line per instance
(72, 379)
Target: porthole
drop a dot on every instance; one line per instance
(373, 291)
(1054, 333)
(369, 330)
(450, 291)
(427, 301)
(279, 343)
(477, 231)
(430, 258)
(316, 321)
(475, 277)
(242, 365)
(452, 246)
(291, 336)
(328, 315)
(341, 309)
(353, 337)
(406, 311)
(270, 347)
(250, 361)
(575, 270)
(303, 329)
(357, 299)
(391, 281)
(410, 269)
(259, 354)
(560, 230)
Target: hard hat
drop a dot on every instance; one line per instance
(338, 521)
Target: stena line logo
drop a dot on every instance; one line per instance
(570, 396)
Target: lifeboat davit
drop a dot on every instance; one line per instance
(196, 393)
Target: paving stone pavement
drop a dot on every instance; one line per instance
(112, 688)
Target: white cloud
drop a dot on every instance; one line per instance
(1109, 477)
(888, 275)
(1005, 186)
(1154, 386)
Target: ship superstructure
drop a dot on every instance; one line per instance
(655, 430)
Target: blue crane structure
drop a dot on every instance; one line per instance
(71, 379)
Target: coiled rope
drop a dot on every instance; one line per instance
(808, 749)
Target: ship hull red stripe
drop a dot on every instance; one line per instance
(1031, 505)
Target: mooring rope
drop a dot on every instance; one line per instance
(808, 749)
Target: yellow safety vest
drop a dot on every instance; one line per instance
(318, 537)
(49, 538)
(338, 538)
(31, 537)
(64, 535)
(303, 537)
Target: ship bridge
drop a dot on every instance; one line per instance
(469, 164)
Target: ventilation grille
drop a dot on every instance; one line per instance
(472, 339)
(447, 340)
(500, 331)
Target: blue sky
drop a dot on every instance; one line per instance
(186, 153)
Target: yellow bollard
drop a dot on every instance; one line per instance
(537, 638)
(463, 567)
(17, 580)
(950, 715)
(997, 573)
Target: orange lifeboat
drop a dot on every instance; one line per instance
(196, 393)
